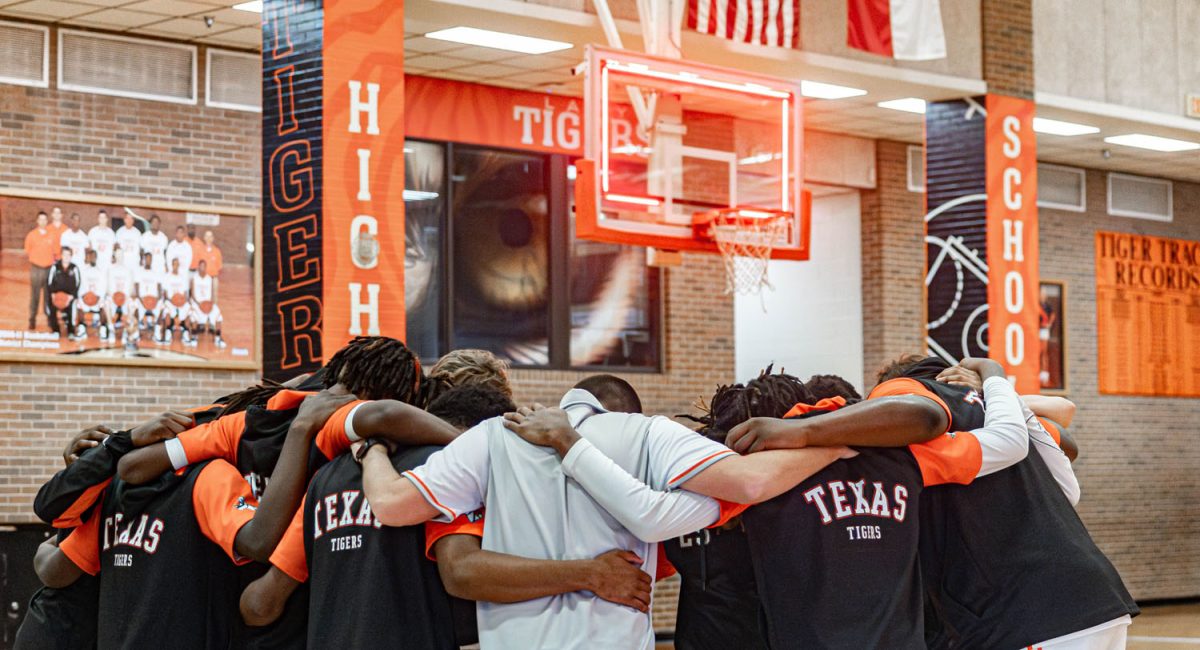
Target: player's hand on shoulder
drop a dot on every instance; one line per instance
(88, 438)
(542, 426)
(616, 576)
(163, 426)
(316, 409)
(957, 375)
(985, 368)
(761, 434)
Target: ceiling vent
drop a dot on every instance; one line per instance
(126, 67)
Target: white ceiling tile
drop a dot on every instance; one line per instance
(187, 28)
(428, 45)
(538, 78)
(542, 62)
(116, 19)
(488, 70)
(172, 8)
(50, 10)
(249, 38)
(439, 62)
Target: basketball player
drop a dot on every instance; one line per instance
(118, 306)
(149, 294)
(175, 306)
(129, 239)
(154, 242)
(204, 314)
(101, 239)
(991, 552)
(93, 295)
(182, 535)
(179, 249)
(74, 238)
(64, 281)
(665, 453)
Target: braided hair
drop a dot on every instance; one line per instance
(768, 395)
(378, 367)
(245, 398)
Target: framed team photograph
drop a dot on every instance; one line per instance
(90, 279)
(1052, 298)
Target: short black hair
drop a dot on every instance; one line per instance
(767, 395)
(378, 367)
(614, 393)
(154, 217)
(467, 405)
(42, 213)
(899, 367)
(823, 386)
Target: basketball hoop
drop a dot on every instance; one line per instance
(745, 238)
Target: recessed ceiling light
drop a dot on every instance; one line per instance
(1059, 127)
(418, 195)
(253, 5)
(907, 104)
(1152, 142)
(498, 40)
(818, 90)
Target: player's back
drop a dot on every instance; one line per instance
(534, 510)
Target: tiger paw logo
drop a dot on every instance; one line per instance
(242, 504)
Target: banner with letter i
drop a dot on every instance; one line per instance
(981, 233)
(333, 178)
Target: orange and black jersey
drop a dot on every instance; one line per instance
(164, 553)
(357, 568)
(1006, 561)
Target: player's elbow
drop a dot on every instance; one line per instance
(459, 576)
(258, 608)
(132, 470)
(390, 511)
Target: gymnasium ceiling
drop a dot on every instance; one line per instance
(859, 116)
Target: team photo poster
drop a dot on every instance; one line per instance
(114, 281)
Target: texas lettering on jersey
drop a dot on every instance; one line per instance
(837, 500)
(342, 510)
(145, 536)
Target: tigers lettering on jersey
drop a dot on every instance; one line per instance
(845, 499)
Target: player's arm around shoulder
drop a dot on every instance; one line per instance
(263, 600)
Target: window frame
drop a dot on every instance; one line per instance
(559, 307)
(44, 82)
(193, 100)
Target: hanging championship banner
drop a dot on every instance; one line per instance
(333, 178)
(980, 167)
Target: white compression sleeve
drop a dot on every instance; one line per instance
(1056, 460)
(1004, 438)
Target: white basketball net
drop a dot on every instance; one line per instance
(745, 244)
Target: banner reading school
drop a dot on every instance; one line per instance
(1148, 315)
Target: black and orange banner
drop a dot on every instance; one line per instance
(981, 233)
(333, 178)
(1148, 315)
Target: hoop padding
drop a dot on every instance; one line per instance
(745, 244)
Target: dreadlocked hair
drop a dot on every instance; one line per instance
(768, 395)
(378, 367)
(253, 396)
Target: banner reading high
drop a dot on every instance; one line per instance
(1012, 239)
(333, 178)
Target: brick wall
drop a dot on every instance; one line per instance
(1138, 458)
(893, 263)
(1008, 47)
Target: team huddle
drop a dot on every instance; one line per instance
(124, 282)
(372, 504)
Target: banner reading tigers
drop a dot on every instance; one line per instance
(333, 205)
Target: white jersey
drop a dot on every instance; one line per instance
(488, 465)
(202, 289)
(176, 284)
(93, 279)
(148, 283)
(120, 280)
(101, 240)
(130, 241)
(156, 245)
(77, 241)
(182, 251)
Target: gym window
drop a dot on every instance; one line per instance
(492, 262)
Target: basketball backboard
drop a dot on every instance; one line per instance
(668, 143)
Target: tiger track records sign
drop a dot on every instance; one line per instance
(333, 178)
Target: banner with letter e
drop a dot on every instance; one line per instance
(333, 178)
(982, 234)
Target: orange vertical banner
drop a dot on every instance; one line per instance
(1012, 239)
(363, 171)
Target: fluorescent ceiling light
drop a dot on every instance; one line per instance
(907, 104)
(1152, 142)
(498, 40)
(254, 6)
(418, 195)
(818, 90)
(1059, 127)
